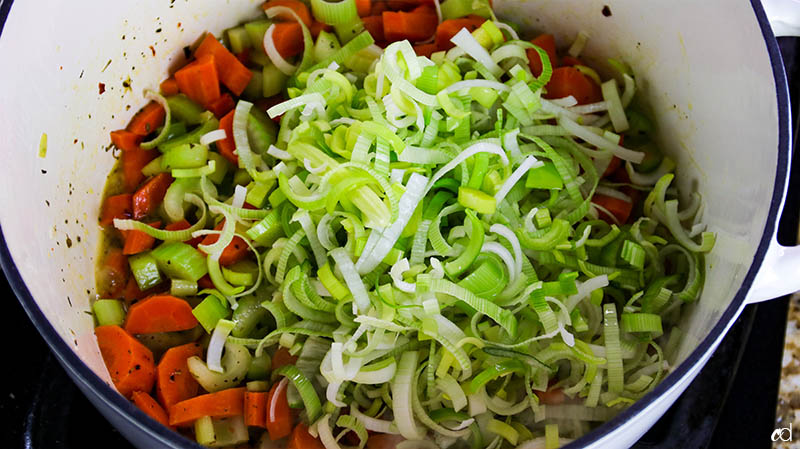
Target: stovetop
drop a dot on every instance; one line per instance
(731, 404)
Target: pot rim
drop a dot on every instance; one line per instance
(87, 379)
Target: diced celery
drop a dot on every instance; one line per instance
(185, 110)
(256, 31)
(180, 287)
(209, 312)
(153, 167)
(185, 156)
(180, 261)
(254, 87)
(191, 137)
(348, 31)
(266, 231)
(239, 39)
(276, 198)
(484, 95)
(108, 312)
(273, 80)
(261, 131)
(257, 193)
(247, 316)
(241, 177)
(327, 44)
(145, 270)
(544, 177)
(221, 167)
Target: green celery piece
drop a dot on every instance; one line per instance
(453, 9)
(180, 261)
(241, 177)
(247, 316)
(145, 270)
(327, 44)
(210, 311)
(266, 231)
(254, 87)
(221, 169)
(239, 39)
(191, 137)
(544, 177)
(273, 81)
(256, 30)
(257, 193)
(108, 312)
(261, 131)
(185, 110)
(276, 198)
(185, 156)
(259, 367)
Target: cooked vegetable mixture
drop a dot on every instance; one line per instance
(391, 225)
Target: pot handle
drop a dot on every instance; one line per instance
(779, 274)
(784, 16)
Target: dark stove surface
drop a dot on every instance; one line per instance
(731, 404)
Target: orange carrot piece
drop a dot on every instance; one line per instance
(408, 25)
(133, 161)
(282, 358)
(612, 166)
(232, 73)
(378, 8)
(181, 225)
(406, 5)
(205, 282)
(125, 140)
(222, 404)
(234, 252)
(169, 87)
(383, 441)
(131, 293)
(199, 80)
(363, 7)
(222, 105)
(174, 382)
(117, 206)
(298, 7)
(115, 271)
(423, 9)
(147, 404)
(425, 49)
(147, 199)
(129, 362)
(570, 61)
(317, 27)
(447, 29)
(163, 313)
(226, 146)
(374, 24)
(279, 417)
(147, 119)
(255, 409)
(619, 208)
(301, 439)
(138, 241)
(553, 396)
(288, 39)
(547, 43)
(568, 81)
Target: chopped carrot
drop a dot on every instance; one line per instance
(222, 404)
(117, 206)
(297, 6)
(282, 357)
(425, 49)
(222, 105)
(447, 29)
(288, 39)
(612, 166)
(374, 24)
(199, 80)
(570, 61)
(279, 417)
(553, 396)
(617, 207)
(301, 439)
(148, 119)
(169, 87)
(232, 73)
(162, 313)
(205, 282)
(147, 199)
(318, 27)
(406, 5)
(234, 252)
(408, 25)
(129, 362)
(114, 272)
(227, 146)
(363, 7)
(138, 241)
(131, 293)
(147, 404)
(424, 9)
(383, 441)
(255, 409)
(568, 81)
(378, 8)
(174, 382)
(181, 225)
(125, 140)
(133, 161)
(547, 43)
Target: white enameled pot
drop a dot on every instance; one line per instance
(709, 71)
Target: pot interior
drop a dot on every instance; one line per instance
(702, 69)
